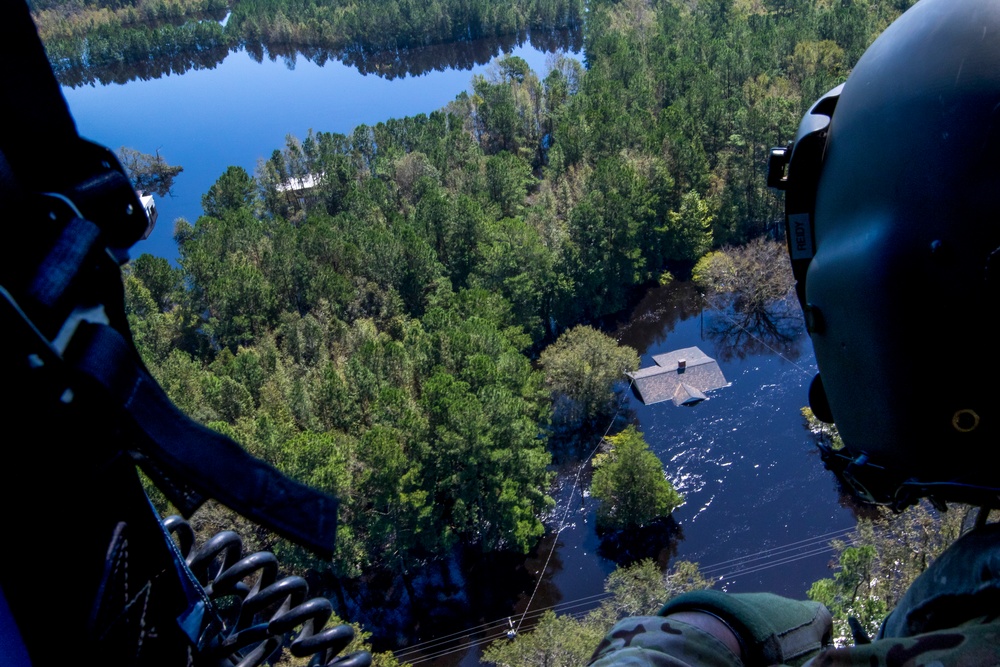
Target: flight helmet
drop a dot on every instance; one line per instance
(893, 227)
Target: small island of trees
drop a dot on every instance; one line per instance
(629, 482)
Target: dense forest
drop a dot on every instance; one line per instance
(376, 314)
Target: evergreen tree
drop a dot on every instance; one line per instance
(629, 482)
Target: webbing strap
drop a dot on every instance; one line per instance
(209, 464)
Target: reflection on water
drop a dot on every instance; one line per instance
(415, 61)
(657, 542)
(207, 57)
(656, 314)
(738, 335)
(178, 52)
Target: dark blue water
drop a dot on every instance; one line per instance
(758, 501)
(241, 110)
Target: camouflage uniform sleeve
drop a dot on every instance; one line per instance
(973, 643)
(654, 641)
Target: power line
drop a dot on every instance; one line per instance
(776, 563)
(742, 566)
(456, 649)
(791, 546)
(499, 624)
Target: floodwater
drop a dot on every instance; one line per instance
(759, 512)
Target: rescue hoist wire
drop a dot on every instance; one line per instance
(569, 502)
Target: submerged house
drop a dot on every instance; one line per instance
(682, 376)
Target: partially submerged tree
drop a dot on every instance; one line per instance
(581, 368)
(148, 173)
(752, 277)
(755, 280)
(629, 482)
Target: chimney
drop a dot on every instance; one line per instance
(681, 365)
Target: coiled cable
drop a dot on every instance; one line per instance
(263, 617)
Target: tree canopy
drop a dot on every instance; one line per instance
(879, 560)
(569, 641)
(629, 482)
(581, 369)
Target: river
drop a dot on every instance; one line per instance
(760, 510)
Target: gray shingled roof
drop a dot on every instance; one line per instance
(667, 382)
(685, 394)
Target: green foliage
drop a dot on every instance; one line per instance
(581, 369)
(629, 482)
(508, 178)
(234, 189)
(688, 230)
(606, 229)
(879, 561)
(164, 282)
(817, 66)
(684, 576)
(557, 641)
(516, 263)
(639, 589)
(508, 109)
(752, 277)
(826, 433)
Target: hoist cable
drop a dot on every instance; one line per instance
(569, 502)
